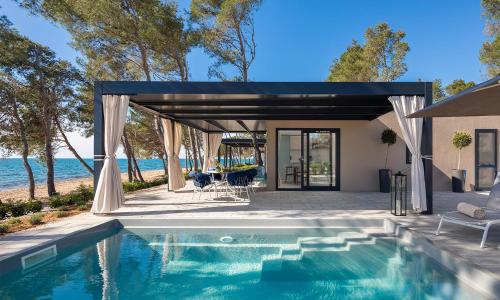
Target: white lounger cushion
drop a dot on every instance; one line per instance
(491, 215)
(471, 210)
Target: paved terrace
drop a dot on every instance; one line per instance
(158, 203)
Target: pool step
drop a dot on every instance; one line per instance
(343, 242)
(356, 261)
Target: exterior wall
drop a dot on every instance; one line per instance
(445, 156)
(361, 152)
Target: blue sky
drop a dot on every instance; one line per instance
(298, 39)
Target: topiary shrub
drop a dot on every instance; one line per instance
(460, 140)
(388, 138)
(34, 206)
(17, 209)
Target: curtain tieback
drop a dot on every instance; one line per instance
(110, 156)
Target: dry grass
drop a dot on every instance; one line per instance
(25, 222)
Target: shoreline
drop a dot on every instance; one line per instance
(63, 186)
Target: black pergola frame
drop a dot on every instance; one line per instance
(230, 143)
(272, 101)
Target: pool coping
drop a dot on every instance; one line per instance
(484, 281)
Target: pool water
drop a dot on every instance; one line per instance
(194, 264)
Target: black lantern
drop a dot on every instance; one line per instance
(399, 194)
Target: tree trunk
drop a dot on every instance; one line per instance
(49, 155)
(193, 147)
(49, 159)
(25, 152)
(198, 146)
(70, 147)
(137, 170)
(257, 153)
(139, 174)
(159, 131)
(130, 170)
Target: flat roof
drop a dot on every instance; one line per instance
(244, 106)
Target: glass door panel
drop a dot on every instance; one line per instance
(319, 146)
(289, 159)
(486, 158)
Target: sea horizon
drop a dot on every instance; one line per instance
(13, 174)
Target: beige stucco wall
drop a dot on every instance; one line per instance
(445, 156)
(361, 152)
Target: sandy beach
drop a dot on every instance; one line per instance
(63, 187)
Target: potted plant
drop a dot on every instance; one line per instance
(460, 140)
(384, 175)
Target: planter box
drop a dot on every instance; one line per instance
(384, 177)
(458, 180)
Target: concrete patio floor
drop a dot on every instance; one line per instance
(158, 203)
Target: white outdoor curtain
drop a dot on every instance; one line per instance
(108, 254)
(172, 133)
(411, 129)
(109, 192)
(211, 143)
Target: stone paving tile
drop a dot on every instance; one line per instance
(158, 203)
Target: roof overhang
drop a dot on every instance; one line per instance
(480, 100)
(244, 106)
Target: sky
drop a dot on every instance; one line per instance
(297, 40)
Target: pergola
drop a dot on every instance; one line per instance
(230, 143)
(218, 107)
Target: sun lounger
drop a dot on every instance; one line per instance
(492, 216)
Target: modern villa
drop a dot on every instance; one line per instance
(316, 226)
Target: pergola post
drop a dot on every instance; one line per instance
(426, 149)
(99, 152)
(225, 157)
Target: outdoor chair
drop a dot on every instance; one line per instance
(492, 215)
(202, 181)
(238, 182)
(251, 174)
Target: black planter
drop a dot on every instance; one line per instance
(384, 179)
(458, 180)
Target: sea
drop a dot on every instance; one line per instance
(13, 173)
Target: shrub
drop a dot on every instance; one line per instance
(17, 209)
(62, 214)
(4, 228)
(3, 210)
(82, 207)
(80, 196)
(460, 140)
(36, 219)
(14, 221)
(56, 201)
(33, 206)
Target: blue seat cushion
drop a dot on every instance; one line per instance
(201, 180)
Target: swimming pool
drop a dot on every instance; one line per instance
(193, 263)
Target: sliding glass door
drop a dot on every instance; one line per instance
(308, 159)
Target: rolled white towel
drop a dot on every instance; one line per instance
(471, 210)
